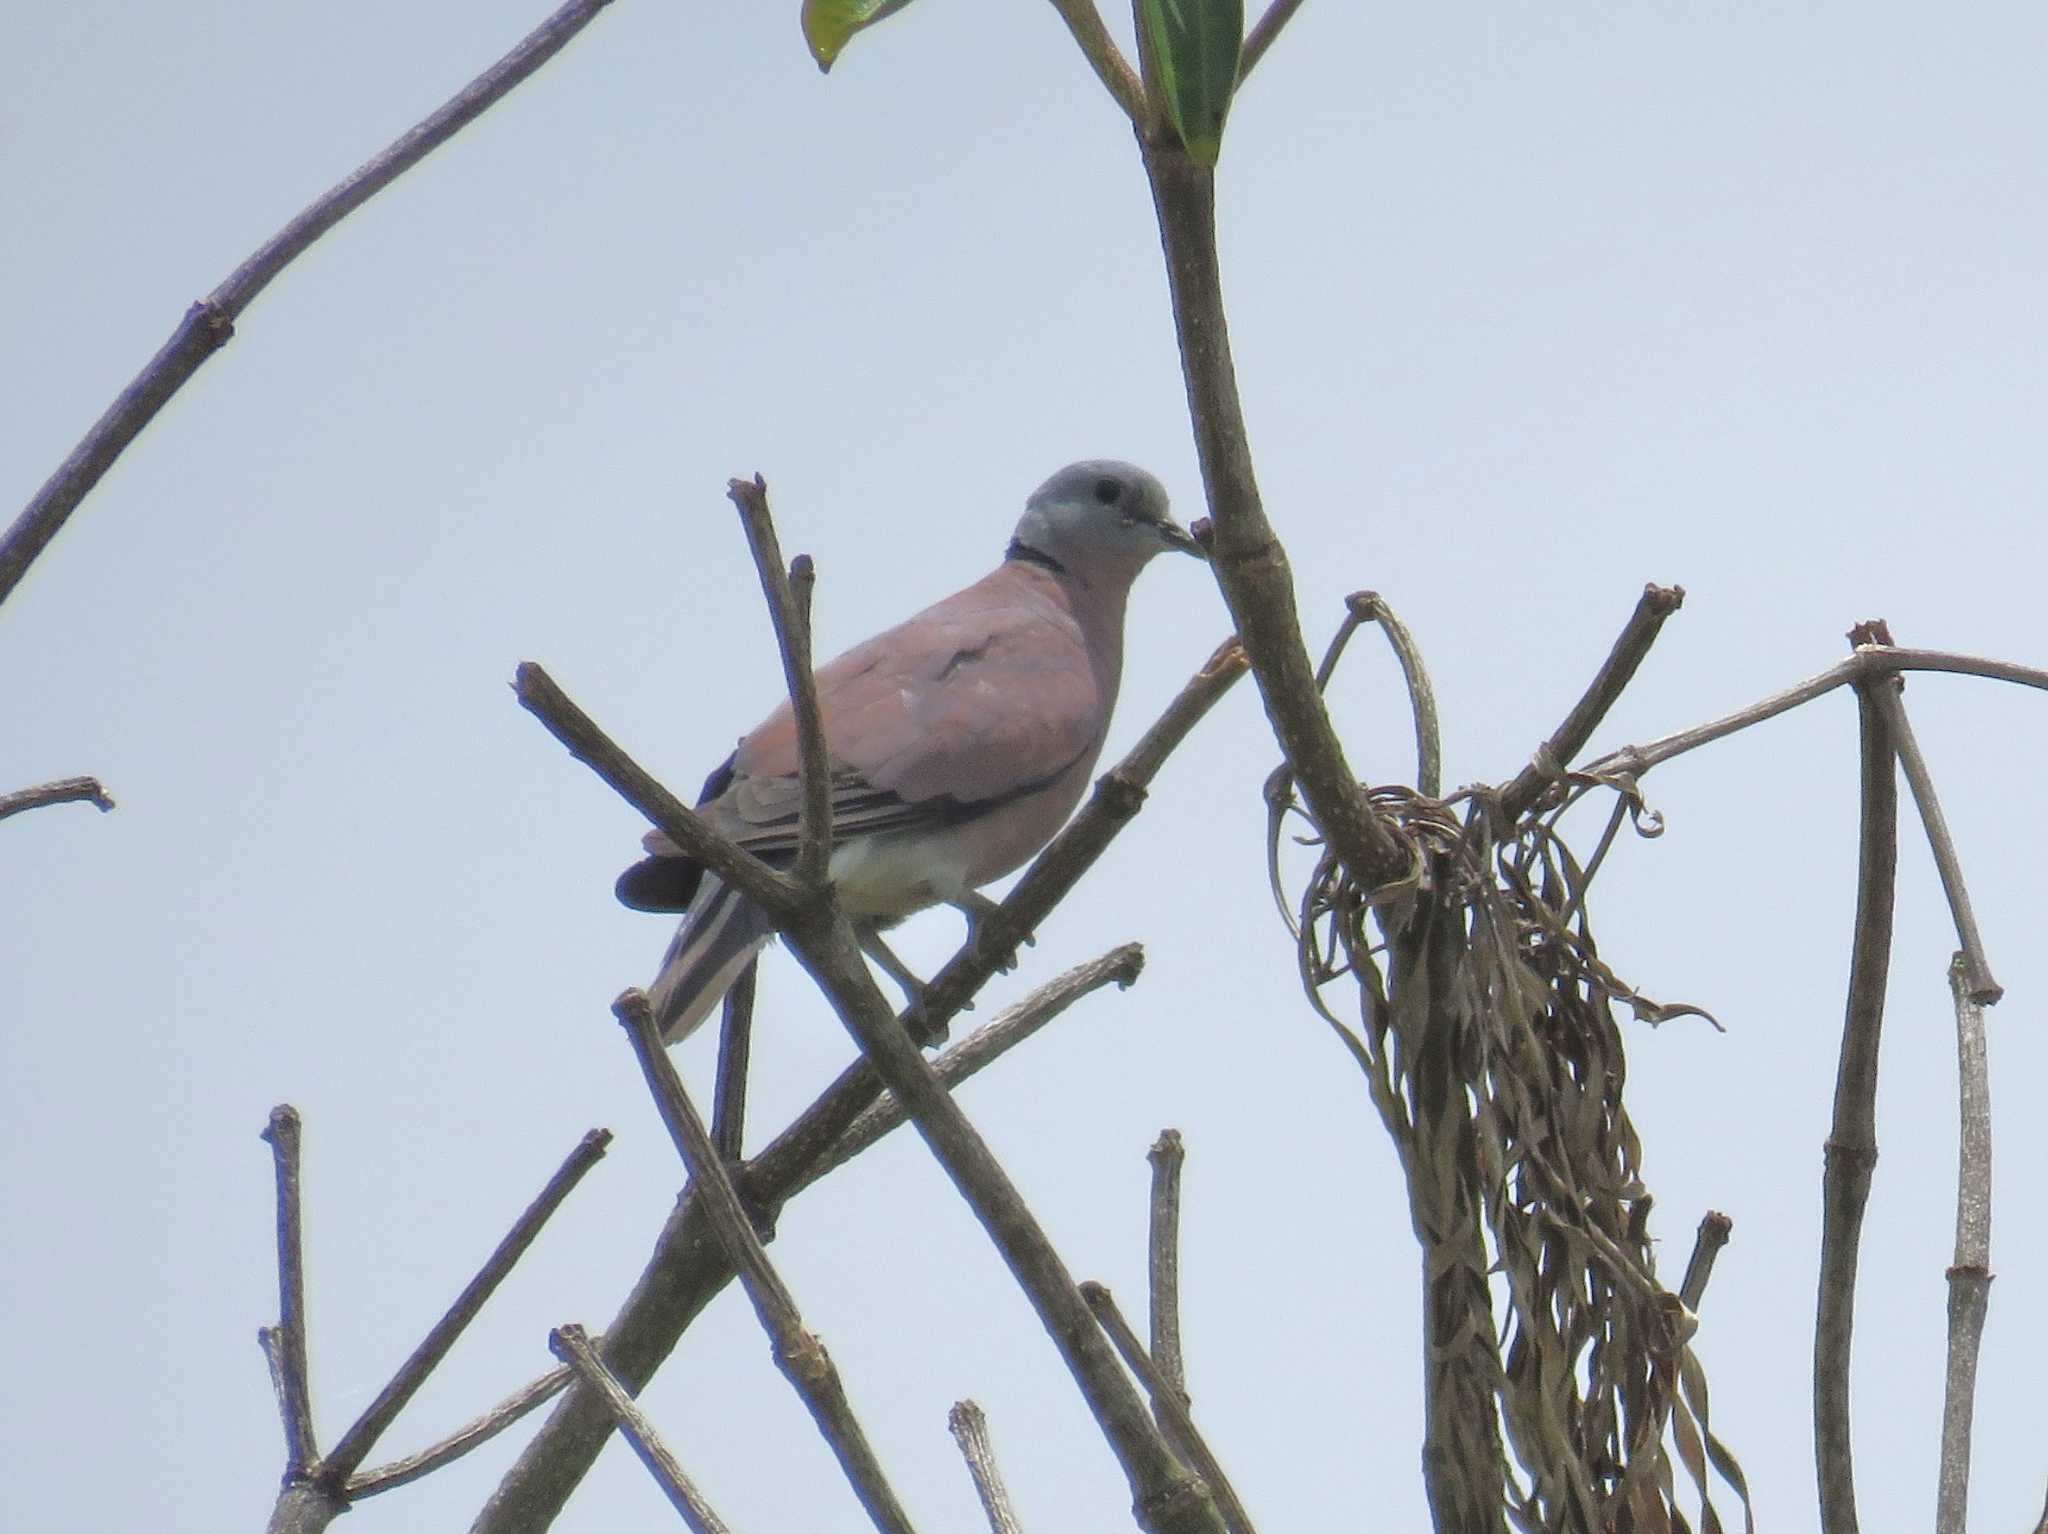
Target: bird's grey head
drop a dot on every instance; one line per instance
(1099, 515)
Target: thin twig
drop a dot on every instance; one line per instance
(969, 1425)
(1637, 635)
(1429, 751)
(1706, 1246)
(735, 1044)
(798, 1352)
(1969, 1276)
(481, 1430)
(294, 1388)
(1105, 58)
(355, 1445)
(687, 1266)
(1868, 663)
(1852, 1140)
(62, 791)
(209, 324)
(1171, 1406)
(571, 1344)
(1261, 37)
(1983, 988)
(538, 694)
(1163, 1259)
(996, 1037)
(793, 640)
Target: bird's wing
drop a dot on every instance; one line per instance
(975, 702)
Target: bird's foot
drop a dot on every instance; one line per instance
(990, 930)
(913, 986)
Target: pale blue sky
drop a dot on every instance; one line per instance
(1531, 305)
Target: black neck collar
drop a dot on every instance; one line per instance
(1019, 549)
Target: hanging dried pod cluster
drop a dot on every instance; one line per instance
(1490, 1046)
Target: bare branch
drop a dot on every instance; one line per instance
(1244, 551)
(355, 1445)
(1866, 664)
(798, 1353)
(571, 1344)
(1171, 1405)
(294, 1391)
(1163, 1260)
(1164, 1497)
(1640, 632)
(1706, 1246)
(735, 1044)
(1005, 1030)
(1983, 988)
(1261, 37)
(208, 324)
(1105, 58)
(1969, 1276)
(969, 1425)
(688, 1267)
(62, 791)
(481, 1430)
(1852, 1141)
(793, 638)
(774, 892)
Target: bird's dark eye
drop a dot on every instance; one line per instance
(1108, 492)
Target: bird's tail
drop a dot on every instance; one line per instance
(720, 934)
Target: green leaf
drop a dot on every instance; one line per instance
(829, 23)
(1195, 44)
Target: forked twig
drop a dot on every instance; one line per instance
(793, 641)
(798, 1353)
(571, 1344)
(362, 1436)
(1969, 1276)
(969, 1426)
(318, 1490)
(209, 324)
(480, 1430)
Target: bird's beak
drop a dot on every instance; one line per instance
(1174, 536)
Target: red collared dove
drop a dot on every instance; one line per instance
(959, 741)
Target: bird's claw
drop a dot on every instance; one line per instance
(989, 932)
